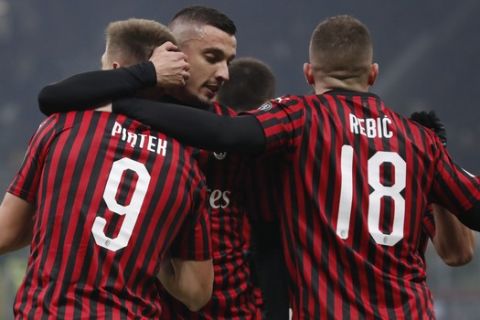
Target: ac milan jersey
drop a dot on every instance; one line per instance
(111, 198)
(358, 181)
(234, 296)
(428, 232)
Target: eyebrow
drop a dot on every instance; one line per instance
(218, 52)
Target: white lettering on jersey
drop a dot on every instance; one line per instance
(151, 143)
(219, 199)
(371, 127)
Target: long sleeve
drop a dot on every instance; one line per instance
(90, 89)
(196, 127)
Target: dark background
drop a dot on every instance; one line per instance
(428, 53)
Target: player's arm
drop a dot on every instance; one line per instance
(17, 209)
(16, 223)
(454, 242)
(197, 127)
(188, 272)
(189, 281)
(454, 188)
(90, 89)
(167, 67)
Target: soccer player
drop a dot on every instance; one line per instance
(453, 242)
(207, 37)
(357, 269)
(355, 180)
(251, 84)
(107, 204)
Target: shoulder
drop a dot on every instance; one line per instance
(223, 110)
(289, 100)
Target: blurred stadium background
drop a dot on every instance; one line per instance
(428, 53)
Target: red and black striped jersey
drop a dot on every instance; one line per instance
(111, 198)
(428, 232)
(355, 190)
(234, 296)
(262, 172)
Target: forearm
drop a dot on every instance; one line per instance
(168, 279)
(453, 241)
(90, 89)
(195, 127)
(11, 242)
(185, 282)
(16, 223)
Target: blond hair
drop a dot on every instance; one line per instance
(134, 40)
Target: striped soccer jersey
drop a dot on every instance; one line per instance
(355, 186)
(234, 295)
(111, 198)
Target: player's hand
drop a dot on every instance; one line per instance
(171, 65)
(105, 108)
(431, 121)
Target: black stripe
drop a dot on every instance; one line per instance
(336, 110)
(415, 227)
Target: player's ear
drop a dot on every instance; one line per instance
(372, 76)
(307, 71)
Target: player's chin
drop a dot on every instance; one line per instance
(208, 95)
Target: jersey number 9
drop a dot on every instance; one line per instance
(131, 211)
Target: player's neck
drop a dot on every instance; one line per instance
(328, 84)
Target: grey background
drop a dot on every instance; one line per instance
(428, 53)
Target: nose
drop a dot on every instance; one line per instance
(222, 72)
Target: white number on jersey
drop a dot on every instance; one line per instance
(130, 211)
(374, 201)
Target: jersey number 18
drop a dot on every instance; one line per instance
(374, 201)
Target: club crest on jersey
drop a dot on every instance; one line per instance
(265, 107)
(220, 155)
(282, 99)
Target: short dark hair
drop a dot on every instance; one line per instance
(341, 43)
(251, 84)
(136, 39)
(208, 16)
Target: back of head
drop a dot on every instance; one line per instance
(132, 41)
(341, 47)
(190, 17)
(251, 84)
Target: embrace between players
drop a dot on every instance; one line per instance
(152, 210)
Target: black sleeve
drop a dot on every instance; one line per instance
(471, 218)
(90, 89)
(196, 127)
